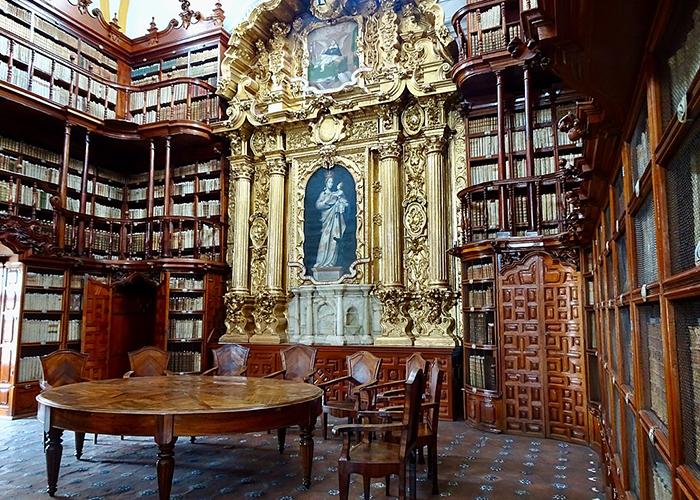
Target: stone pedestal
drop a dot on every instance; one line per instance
(334, 315)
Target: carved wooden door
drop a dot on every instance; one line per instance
(11, 306)
(542, 349)
(96, 329)
(566, 396)
(522, 349)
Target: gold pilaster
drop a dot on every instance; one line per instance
(277, 169)
(437, 209)
(390, 207)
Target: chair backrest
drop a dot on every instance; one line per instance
(298, 361)
(414, 363)
(364, 366)
(62, 368)
(149, 361)
(436, 378)
(231, 359)
(415, 388)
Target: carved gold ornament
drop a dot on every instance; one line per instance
(413, 119)
(327, 9)
(328, 130)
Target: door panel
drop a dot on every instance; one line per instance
(96, 329)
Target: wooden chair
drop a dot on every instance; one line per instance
(363, 372)
(388, 391)
(428, 428)
(62, 368)
(373, 458)
(230, 360)
(298, 365)
(148, 361)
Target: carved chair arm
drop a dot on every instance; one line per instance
(367, 429)
(129, 374)
(323, 385)
(211, 371)
(275, 374)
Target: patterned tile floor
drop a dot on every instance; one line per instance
(473, 465)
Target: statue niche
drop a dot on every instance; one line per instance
(330, 224)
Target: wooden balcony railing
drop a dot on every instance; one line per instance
(40, 72)
(533, 207)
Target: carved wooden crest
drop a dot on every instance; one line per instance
(22, 235)
(327, 9)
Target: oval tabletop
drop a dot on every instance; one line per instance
(178, 395)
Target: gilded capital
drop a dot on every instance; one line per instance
(242, 170)
(435, 143)
(389, 150)
(277, 166)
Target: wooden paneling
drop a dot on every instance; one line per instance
(330, 363)
(544, 381)
(522, 350)
(566, 400)
(96, 329)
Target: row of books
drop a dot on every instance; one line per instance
(175, 62)
(479, 271)
(694, 369)
(74, 329)
(43, 301)
(185, 361)
(544, 165)
(485, 212)
(41, 330)
(15, 11)
(203, 167)
(483, 146)
(54, 32)
(483, 125)
(186, 303)
(142, 71)
(94, 108)
(657, 378)
(102, 189)
(183, 209)
(479, 297)
(198, 111)
(185, 329)
(183, 188)
(105, 211)
(45, 280)
(483, 173)
(15, 27)
(492, 41)
(208, 208)
(34, 197)
(529, 4)
(203, 55)
(521, 209)
(204, 69)
(186, 283)
(208, 185)
(642, 151)
(480, 330)
(55, 48)
(482, 371)
(548, 208)
(98, 55)
(29, 368)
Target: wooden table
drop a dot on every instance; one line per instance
(168, 407)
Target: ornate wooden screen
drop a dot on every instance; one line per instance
(544, 389)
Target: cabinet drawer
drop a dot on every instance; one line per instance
(24, 399)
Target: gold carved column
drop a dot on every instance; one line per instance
(242, 174)
(271, 323)
(438, 325)
(391, 294)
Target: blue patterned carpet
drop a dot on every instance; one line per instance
(473, 465)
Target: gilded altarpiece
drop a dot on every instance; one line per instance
(323, 99)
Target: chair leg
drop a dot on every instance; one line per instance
(421, 457)
(281, 435)
(95, 439)
(402, 482)
(79, 441)
(193, 439)
(366, 480)
(412, 468)
(387, 481)
(325, 426)
(432, 458)
(343, 485)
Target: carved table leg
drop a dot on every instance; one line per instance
(79, 441)
(165, 467)
(54, 449)
(281, 435)
(307, 451)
